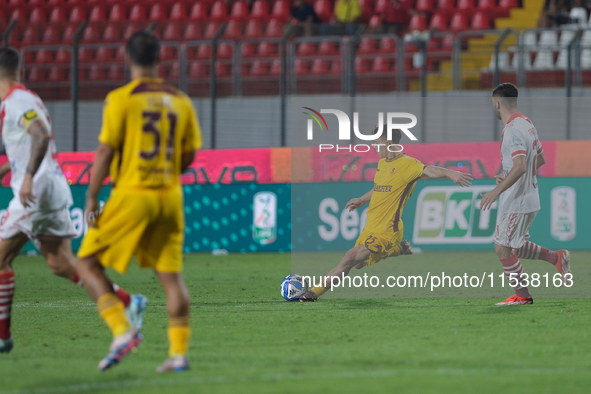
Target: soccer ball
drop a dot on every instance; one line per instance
(293, 287)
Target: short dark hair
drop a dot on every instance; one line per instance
(9, 62)
(508, 94)
(396, 134)
(143, 48)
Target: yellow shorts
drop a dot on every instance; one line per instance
(142, 222)
(381, 245)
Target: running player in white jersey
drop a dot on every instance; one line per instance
(522, 155)
(39, 210)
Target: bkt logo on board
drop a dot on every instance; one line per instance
(344, 131)
(451, 215)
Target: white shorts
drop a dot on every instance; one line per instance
(36, 224)
(513, 229)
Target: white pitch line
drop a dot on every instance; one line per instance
(141, 383)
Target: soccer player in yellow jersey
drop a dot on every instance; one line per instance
(149, 136)
(381, 237)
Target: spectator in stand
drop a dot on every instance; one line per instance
(304, 16)
(396, 16)
(578, 14)
(555, 13)
(347, 14)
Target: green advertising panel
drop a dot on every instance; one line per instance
(238, 217)
(439, 215)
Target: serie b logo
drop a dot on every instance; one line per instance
(264, 227)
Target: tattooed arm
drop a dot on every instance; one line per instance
(39, 144)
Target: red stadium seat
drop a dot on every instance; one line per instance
(37, 15)
(323, 10)
(223, 69)
(281, 10)
(104, 55)
(328, 48)
(112, 32)
(253, 29)
(459, 22)
(320, 67)
(158, 12)
(381, 65)
(62, 56)
(12, 4)
(44, 56)
(117, 13)
(489, 6)
(91, 34)
(239, 11)
(260, 10)
(336, 67)
(137, 13)
(97, 73)
(199, 12)
(381, 6)
(211, 29)
(174, 72)
(35, 74)
(198, 70)
(130, 28)
(192, 32)
(247, 49)
(204, 51)
(275, 68)
(30, 4)
(259, 69)
(30, 35)
(301, 67)
(367, 46)
(225, 51)
(69, 32)
(508, 4)
(233, 30)
(58, 14)
(447, 44)
(78, 14)
(120, 54)
(51, 35)
(116, 73)
(219, 12)
(362, 66)
(58, 74)
(178, 12)
(274, 29)
(446, 6)
(267, 49)
(426, 6)
(98, 14)
(439, 21)
(168, 53)
(466, 6)
(54, 3)
(306, 49)
(375, 21)
(172, 32)
(480, 21)
(85, 55)
(417, 22)
(387, 45)
(18, 14)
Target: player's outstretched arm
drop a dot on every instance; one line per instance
(457, 177)
(519, 168)
(540, 160)
(4, 170)
(100, 171)
(40, 138)
(355, 203)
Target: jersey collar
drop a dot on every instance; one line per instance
(515, 116)
(13, 88)
(397, 157)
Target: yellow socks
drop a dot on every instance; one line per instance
(179, 333)
(112, 311)
(320, 290)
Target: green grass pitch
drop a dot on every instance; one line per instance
(246, 339)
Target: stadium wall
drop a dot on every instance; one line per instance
(255, 122)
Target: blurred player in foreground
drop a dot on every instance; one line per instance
(522, 155)
(381, 237)
(149, 136)
(39, 209)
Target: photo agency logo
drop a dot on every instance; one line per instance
(381, 130)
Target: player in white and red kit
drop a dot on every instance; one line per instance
(522, 155)
(39, 210)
